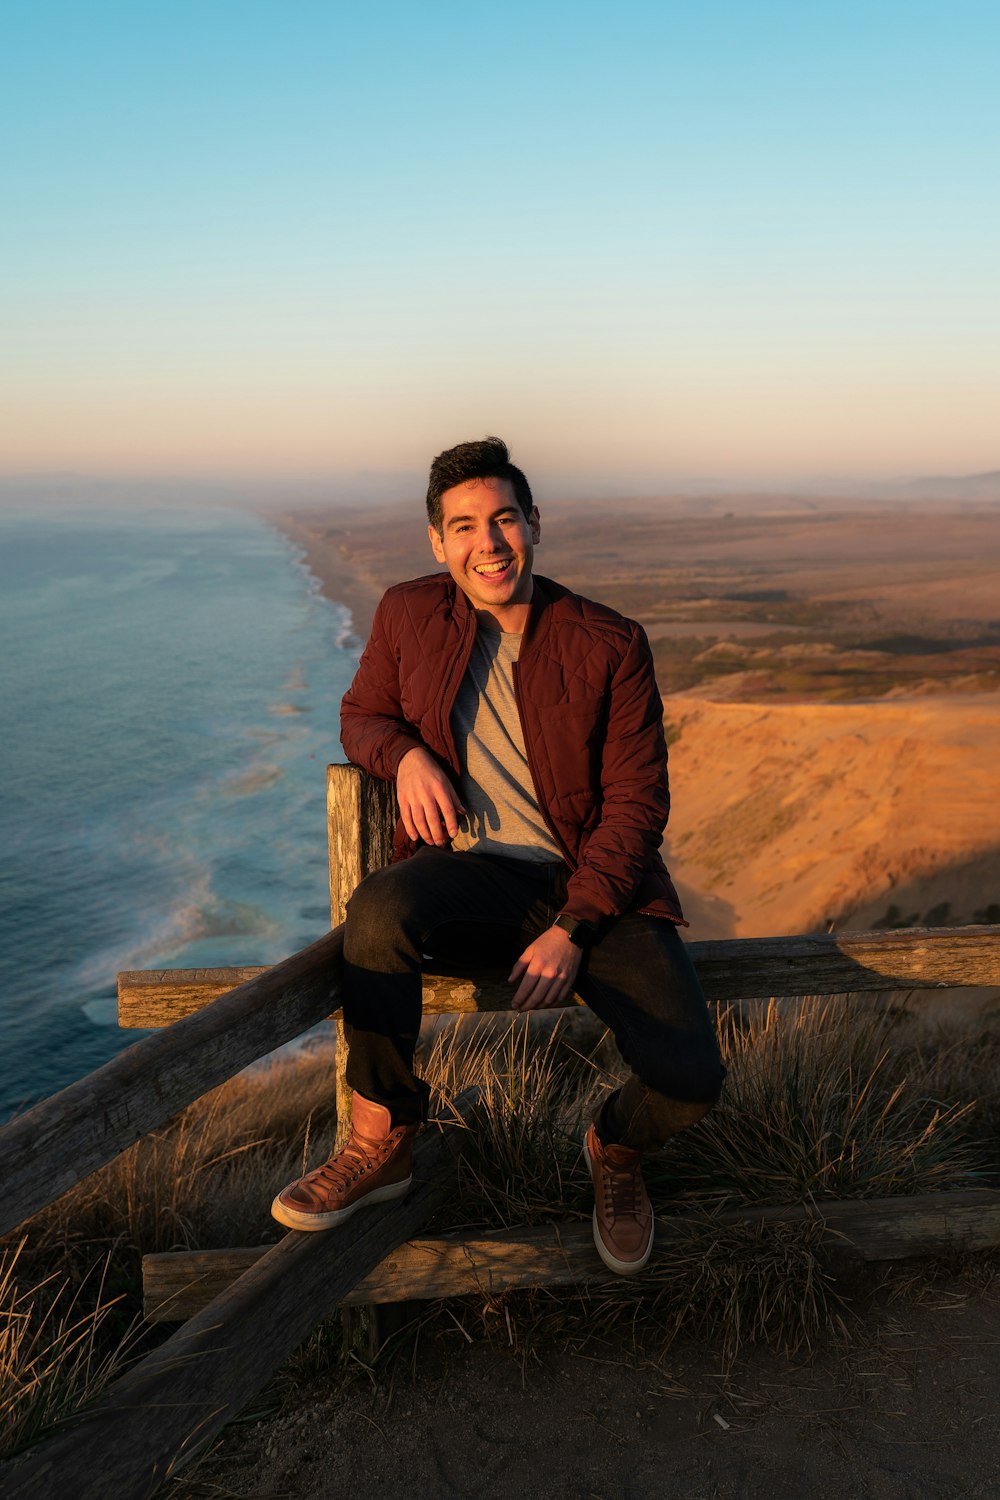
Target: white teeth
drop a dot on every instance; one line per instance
(493, 567)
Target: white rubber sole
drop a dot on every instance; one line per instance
(296, 1218)
(620, 1267)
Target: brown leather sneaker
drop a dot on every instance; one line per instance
(373, 1167)
(623, 1214)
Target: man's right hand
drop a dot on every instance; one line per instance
(428, 804)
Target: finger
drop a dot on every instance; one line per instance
(448, 820)
(408, 823)
(531, 988)
(439, 834)
(536, 1000)
(552, 993)
(451, 826)
(447, 812)
(422, 825)
(524, 989)
(517, 971)
(452, 809)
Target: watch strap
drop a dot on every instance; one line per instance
(579, 932)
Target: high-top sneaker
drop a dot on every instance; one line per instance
(373, 1167)
(623, 1214)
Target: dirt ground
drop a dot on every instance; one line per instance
(907, 1411)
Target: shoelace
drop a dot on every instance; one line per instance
(622, 1193)
(346, 1167)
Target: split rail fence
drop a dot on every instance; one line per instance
(246, 1310)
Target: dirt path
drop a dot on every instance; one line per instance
(909, 1413)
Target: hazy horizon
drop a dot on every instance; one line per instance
(255, 492)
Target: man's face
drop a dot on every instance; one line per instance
(488, 546)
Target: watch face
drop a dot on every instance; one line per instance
(578, 932)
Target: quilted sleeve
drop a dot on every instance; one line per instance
(635, 794)
(373, 728)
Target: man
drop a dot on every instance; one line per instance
(524, 731)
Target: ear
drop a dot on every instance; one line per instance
(437, 544)
(535, 522)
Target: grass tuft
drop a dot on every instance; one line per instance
(52, 1356)
(817, 1104)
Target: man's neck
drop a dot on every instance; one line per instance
(512, 619)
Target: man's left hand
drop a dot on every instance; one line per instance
(546, 970)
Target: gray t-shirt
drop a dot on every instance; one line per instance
(501, 809)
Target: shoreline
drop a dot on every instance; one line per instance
(340, 580)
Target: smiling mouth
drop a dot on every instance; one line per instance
(494, 569)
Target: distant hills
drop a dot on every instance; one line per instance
(953, 487)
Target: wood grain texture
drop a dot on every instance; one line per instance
(159, 997)
(179, 1284)
(65, 1137)
(849, 962)
(165, 1411)
(739, 969)
(360, 818)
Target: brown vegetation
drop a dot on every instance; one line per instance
(820, 1103)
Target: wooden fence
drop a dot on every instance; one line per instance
(246, 1310)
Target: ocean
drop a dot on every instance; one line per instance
(170, 682)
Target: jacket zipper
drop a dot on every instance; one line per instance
(461, 661)
(534, 778)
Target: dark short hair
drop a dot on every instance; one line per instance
(487, 459)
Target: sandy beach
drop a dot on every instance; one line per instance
(327, 555)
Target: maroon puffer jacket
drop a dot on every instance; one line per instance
(590, 713)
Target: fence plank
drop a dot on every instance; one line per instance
(165, 1412)
(833, 963)
(178, 1284)
(65, 1137)
(734, 969)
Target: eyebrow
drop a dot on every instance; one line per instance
(503, 510)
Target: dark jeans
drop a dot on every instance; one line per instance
(484, 910)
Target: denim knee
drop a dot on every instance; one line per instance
(377, 920)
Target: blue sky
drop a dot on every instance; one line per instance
(643, 243)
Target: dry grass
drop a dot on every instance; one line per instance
(820, 1102)
(52, 1356)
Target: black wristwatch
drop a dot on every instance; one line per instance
(579, 932)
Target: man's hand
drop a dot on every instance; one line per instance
(428, 806)
(546, 969)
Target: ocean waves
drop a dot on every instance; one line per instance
(173, 702)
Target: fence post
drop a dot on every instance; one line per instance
(361, 815)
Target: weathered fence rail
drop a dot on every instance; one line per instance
(828, 963)
(177, 1285)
